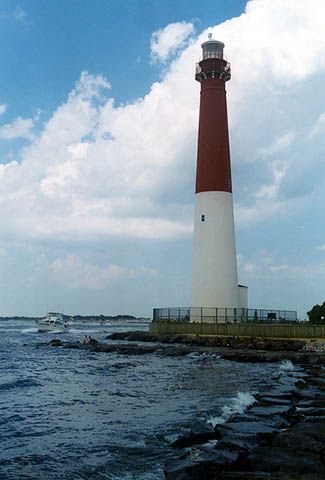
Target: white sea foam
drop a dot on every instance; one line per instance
(205, 356)
(29, 330)
(87, 330)
(286, 366)
(237, 404)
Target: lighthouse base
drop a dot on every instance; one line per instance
(214, 279)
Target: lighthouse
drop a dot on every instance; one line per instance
(214, 275)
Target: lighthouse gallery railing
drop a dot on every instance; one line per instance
(224, 315)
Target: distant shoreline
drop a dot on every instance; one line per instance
(86, 318)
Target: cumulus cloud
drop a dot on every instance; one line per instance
(100, 170)
(168, 40)
(19, 128)
(73, 272)
(97, 169)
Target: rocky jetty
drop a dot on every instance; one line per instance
(281, 436)
(240, 349)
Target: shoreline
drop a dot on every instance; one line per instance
(280, 436)
(240, 349)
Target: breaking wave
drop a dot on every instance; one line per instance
(236, 404)
(286, 366)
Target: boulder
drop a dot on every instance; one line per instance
(276, 459)
(295, 440)
(55, 343)
(312, 412)
(180, 469)
(217, 459)
(244, 427)
(268, 410)
(237, 442)
(274, 399)
(200, 432)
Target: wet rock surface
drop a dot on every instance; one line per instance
(240, 349)
(276, 438)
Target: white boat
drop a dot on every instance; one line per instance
(53, 322)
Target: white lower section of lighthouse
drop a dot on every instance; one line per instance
(215, 277)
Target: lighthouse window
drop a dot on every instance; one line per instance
(202, 218)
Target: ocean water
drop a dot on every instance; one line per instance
(74, 414)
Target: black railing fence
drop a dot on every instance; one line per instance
(224, 315)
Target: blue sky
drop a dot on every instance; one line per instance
(98, 125)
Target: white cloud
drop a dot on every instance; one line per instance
(319, 126)
(168, 40)
(279, 268)
(265, 266)
(321, 248)
(3, 108)
(99, 170)
(19, 128)
(73, 272)
(245, 265)
(278, 145)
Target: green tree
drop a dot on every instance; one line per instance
(317, 314)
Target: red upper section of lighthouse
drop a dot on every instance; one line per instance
(213, 172)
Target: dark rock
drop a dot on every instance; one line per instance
(199, 433)
(275, 459)
(182, 470)
(55, 343)
(219, 459)
(75, 346)
(238, 442)
(255, 428)
(296, 345)
(315, 431)
(306, 394)
(200, 428)
(258, 475)
(260, 345)
(274, 400)
(268, 410)
(295, 440)
(322, 456)
(312, 412)
(319, 382)
(239, 417)
(276, 422)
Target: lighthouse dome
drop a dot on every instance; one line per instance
(212, 48)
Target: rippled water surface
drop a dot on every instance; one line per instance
(75, 414)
